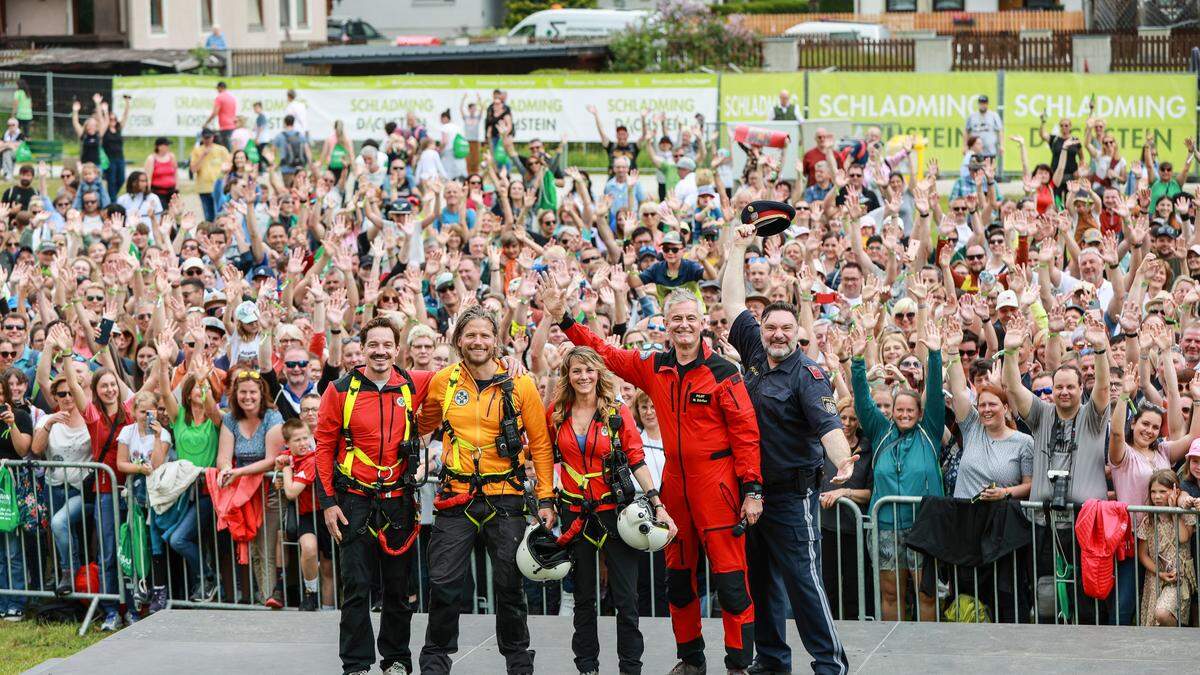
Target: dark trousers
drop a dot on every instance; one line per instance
(360, 553)
(784, 550)
(450, 547)
(114, 178)
(622, 564)
(652, 584)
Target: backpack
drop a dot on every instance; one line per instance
(293, 149)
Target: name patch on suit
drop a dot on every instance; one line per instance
(701, 399)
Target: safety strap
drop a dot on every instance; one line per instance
(354, 454)
(452, 464)
(380, 534)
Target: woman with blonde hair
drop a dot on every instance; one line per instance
(587, 423)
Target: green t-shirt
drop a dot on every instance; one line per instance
(197, 443)
(24, 106)
(1163, 188)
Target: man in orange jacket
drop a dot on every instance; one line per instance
(711, 483)
(366, 436)
(492, 423)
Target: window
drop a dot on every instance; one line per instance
(948, 5)
(254, 14)
(285, 14)
(901, 5)
(156, 16)
(206, 14)
(301, 13)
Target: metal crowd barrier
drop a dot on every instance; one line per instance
(1040, 582)
(73, 513)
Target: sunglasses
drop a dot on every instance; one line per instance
(905, 315)
(94, 298)
(474, 182)
(190, 344)
(7, 354)
(62, 204)
(296, 364)
(802, 207)
(652, 346)
(656, 326)
(14, 326)
(969, 353)
(1042, 391)
(672, 249)
(62, 394)
(854, 175)
(910, 364)
(649, 214)
(591, 259)
(194, 272)
(996, 242)
(977, 256)
(248, 374)
(804, 342)
(958, 209)
(91, 201)
(143, 317)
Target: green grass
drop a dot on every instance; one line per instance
(26, 644)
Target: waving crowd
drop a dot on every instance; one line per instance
(981, 344)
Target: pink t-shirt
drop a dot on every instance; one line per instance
(226, 111)
(1131, 477)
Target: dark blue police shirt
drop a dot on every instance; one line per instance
(794, 402)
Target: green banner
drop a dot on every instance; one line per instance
(751, 97)
(1132, 106)
(934, 107)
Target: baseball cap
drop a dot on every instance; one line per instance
(904, 306)
(1007, 298)
(214, 323)
(706, 191)
(443, 279)
(672, 238)
(647, 252)
(983, 98)
(1159, 298)
(1194, 248)
(687, 163)
(246, 312)
(211, 295)
(207, 133)
(1194, 450)
(710, 283)
(759, 297)
(868, 221)
(47, 246)
(400, 207)
(1092, 236)
(191, 263)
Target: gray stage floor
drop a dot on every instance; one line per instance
(291, 642)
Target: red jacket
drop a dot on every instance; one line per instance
(590, 460)
(377, 426)
(703, 408)
(239, 508)
(1103, 530)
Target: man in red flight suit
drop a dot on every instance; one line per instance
(711, 480)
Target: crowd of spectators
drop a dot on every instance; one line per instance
(976, 340)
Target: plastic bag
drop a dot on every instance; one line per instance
(10, 513)
(462, 147)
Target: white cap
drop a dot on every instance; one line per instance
(1007, 298)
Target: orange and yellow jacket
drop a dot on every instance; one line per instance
(475, 416)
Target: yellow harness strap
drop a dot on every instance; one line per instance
(353, 454)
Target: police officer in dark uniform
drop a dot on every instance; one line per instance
(797, 416)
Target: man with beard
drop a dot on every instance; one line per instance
(710, 437)
(366, 433)
(492, 422)
(798, 416)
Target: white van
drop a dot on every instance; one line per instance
(839, 30)
(559, 24)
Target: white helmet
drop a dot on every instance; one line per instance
(639, 529)
(539, 557)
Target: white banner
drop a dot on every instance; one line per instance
(546, 107)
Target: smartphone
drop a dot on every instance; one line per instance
(150, 418)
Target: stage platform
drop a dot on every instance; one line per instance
(265, 643)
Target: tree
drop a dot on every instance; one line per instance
(682, 37)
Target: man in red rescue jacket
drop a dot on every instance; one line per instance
(365, 434)
(711, 481)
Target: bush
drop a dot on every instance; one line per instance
(766, 7)
(684, 36)
(519, 9)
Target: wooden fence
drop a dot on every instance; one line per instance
(941, 22)
(1012, 52)
(270, 62)
(1133, 52)
(861, 55)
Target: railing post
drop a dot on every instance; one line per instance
(49, 106)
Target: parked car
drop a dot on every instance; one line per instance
(352, 31)
(558, 24)
(850, 31)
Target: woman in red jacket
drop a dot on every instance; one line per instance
(584, 418)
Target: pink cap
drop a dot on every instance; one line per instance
(1194, 450)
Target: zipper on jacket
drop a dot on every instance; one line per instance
(679, 434)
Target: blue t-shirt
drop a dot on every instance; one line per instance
(449, 217)
(689, 276)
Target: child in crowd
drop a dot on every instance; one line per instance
(298, 466)
(91, 181)
(1164, 552)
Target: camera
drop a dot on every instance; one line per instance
(411, 449)
(621, 478)
(508, 442)
(1061, 480)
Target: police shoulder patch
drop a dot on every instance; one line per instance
(461, 397)
(829, 404)
(816, 371)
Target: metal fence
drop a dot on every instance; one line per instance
(869, 574)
